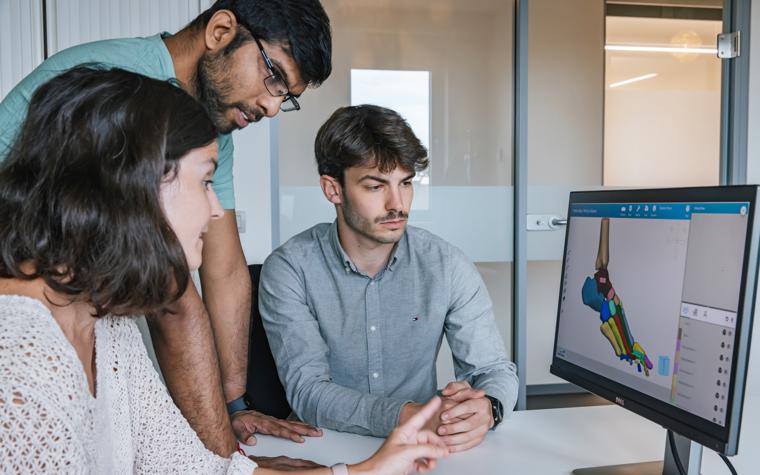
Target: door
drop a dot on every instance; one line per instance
(619, 94)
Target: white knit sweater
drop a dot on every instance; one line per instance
(50, 423)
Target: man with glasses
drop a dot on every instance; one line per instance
(243, 60)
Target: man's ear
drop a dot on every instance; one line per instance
(331, 189)
(220, 30)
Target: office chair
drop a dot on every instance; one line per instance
(263, 384)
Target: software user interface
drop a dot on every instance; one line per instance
(650, 296)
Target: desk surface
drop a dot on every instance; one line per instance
(552, 441)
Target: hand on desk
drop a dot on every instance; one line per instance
(247, 423)
(463, 418)
(284, 464)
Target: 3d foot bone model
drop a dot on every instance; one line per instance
(599, 294)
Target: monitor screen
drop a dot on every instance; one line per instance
(651, 298)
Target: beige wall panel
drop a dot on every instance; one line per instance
(466, 46)
(565, 92)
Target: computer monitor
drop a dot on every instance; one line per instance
(656, 301)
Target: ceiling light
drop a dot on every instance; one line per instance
(661, 49)
(636, 79)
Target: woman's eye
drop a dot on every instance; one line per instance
(207, 184)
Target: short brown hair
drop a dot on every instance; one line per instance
(360, 135)
(80, 189)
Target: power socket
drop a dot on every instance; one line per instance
(240, 218)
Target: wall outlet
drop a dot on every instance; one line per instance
(240, 218)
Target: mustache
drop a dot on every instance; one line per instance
(392, 216)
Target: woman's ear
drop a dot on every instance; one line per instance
(331, 189)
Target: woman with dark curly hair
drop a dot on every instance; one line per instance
(104, 201)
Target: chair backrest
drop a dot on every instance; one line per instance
(263, 385)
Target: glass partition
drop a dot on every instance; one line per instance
(447, 67)
(621, 94)
(662, 102)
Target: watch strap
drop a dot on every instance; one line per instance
(239, 404)
(497, 411)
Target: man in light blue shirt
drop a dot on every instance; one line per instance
(243, 60)
(355, 311)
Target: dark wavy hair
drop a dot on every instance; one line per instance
(300, 26)
(79, 191)
(360, 135)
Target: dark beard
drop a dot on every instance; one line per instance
(211, 91)
(362, 225)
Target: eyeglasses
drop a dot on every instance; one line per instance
(276, 85)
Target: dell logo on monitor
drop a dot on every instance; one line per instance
(619, 400)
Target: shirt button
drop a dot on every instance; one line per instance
(372, 328)
(375, 375)
(372, 283)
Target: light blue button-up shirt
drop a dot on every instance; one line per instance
(351, 349)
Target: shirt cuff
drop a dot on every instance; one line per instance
(385, 416)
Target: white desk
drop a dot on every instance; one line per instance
(544, 442)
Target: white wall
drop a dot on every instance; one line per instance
(72, 22)
(253, 189)
(21, 48)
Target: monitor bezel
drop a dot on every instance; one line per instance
(722, 439)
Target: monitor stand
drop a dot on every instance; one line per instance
(689, 452)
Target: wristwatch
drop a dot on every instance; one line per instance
(240, 404)
(497, 410)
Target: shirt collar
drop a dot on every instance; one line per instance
(339, 252)
(399, 251)
(167, 63)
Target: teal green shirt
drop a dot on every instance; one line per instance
(147, 56)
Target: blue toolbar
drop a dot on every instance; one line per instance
(655, 210)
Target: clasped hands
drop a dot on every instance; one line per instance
(463, 419)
